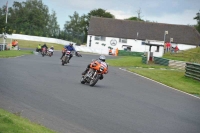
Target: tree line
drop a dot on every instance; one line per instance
(33, 17)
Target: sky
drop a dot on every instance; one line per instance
(179, 12)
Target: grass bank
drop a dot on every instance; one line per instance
(173, 78)
(34, 44)
(13, 53)
(191, 55)
(11, 123)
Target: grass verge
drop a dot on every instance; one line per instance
(173, 78)
(130, 61)
(34, 44)
(13, 53)
(191, 55)
(11, 123)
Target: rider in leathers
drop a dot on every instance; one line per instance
(101, 59)
(69, 48)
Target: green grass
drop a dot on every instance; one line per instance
(13, 53)
(34, 44)
(11, 123)
(173, 78)
(191, 55)
(131, 61)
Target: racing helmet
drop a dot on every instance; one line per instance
(102, 58)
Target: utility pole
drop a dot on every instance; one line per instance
(199, 16)
(139, 12)
(6, 11)
(4, 34)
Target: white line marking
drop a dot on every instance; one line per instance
(16, 56)
(159, 83)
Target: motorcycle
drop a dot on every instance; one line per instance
(78, 54)
(49, 52)
(43, 52)
(94, 73)
(65, 59)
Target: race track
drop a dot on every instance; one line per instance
(41, 89)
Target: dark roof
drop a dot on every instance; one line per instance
(128, 29)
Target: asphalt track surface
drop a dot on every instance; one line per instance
(42, 90)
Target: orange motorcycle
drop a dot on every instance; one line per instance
(97, 68)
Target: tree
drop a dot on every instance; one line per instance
(74, 29)
(2, 21)
(4, 27)
(53, 27)
(98, 13)
(30, 17)
(134, 18)
(77, 28)
(198, 21)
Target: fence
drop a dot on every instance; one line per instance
(129, 53)
(161, 61)
(2, 46)
(144, 59)
(177, 64)
(192, 70)
(166, 62)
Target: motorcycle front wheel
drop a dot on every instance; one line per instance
(94, 81)
(63, 60)
(82, 80)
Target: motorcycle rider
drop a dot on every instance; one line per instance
(69, 48)
(101, 59)
(45, 46)
(51, 50)
(39, 48)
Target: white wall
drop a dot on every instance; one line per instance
(183, 46)
(38, 38)
(137, 45)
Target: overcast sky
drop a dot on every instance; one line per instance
(161, 11)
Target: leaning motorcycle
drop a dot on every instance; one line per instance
(43, 52)
(92, 76)
(49, 52)
(65, 59)
(78, 54)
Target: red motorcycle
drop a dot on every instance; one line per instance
(43, 52)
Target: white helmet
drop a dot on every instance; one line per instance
(102, 58)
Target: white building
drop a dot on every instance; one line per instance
(139, 36)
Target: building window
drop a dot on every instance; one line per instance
(122, 40)
(143, 43)
(157, 49)
(100, 38)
